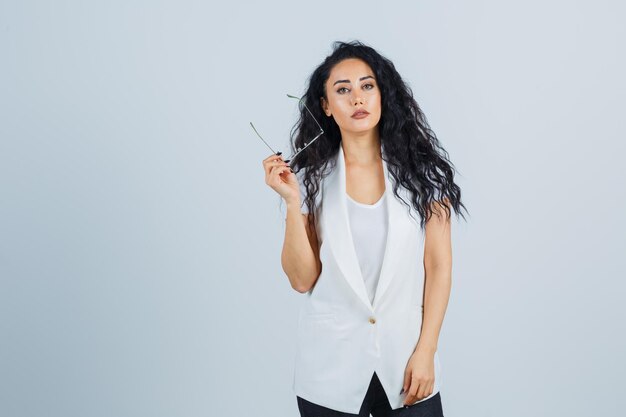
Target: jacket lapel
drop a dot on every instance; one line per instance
(337, 229)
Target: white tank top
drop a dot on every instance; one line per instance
(368, 224)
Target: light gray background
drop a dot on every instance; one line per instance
(140, 247)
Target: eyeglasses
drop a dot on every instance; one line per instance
(306, 144)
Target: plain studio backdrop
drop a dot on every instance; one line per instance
(140, 246)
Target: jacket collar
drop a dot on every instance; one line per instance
(337, 229)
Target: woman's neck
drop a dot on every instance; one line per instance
(361, 150)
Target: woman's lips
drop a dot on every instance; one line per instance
(360, 115)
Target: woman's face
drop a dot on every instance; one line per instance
(352, 86)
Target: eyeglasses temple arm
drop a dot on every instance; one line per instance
(255, 131)
(307, 109)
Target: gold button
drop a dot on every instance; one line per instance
(372, 320)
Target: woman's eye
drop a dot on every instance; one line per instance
(365, 85)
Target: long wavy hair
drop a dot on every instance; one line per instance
(412, 151)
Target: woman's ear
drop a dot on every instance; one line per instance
(325, 106)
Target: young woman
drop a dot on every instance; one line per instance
(367, 240)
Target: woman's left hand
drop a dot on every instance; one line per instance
(419, 376)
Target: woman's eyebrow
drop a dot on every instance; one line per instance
(348, 81)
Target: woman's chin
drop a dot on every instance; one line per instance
(356, 130)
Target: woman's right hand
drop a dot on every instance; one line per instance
(280, 177)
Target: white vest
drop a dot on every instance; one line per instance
(342, 337)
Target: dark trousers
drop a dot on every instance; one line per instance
(376, 404)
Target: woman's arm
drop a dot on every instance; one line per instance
(438, 270)
(419, 376)
(300, 255)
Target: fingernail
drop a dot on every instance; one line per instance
(287, 160)
(279, 153)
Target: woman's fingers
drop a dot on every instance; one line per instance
(278, 176)
(424, 390)
(273, 161)
(416, 386)
(418, 390)
(276, 171)
(272, 157)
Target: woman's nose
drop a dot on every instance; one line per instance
(357, 100)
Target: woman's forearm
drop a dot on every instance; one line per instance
(298, 258)
(436, 296)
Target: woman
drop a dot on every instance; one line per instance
(368, 330)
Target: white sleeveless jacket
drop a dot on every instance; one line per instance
(343, 338)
